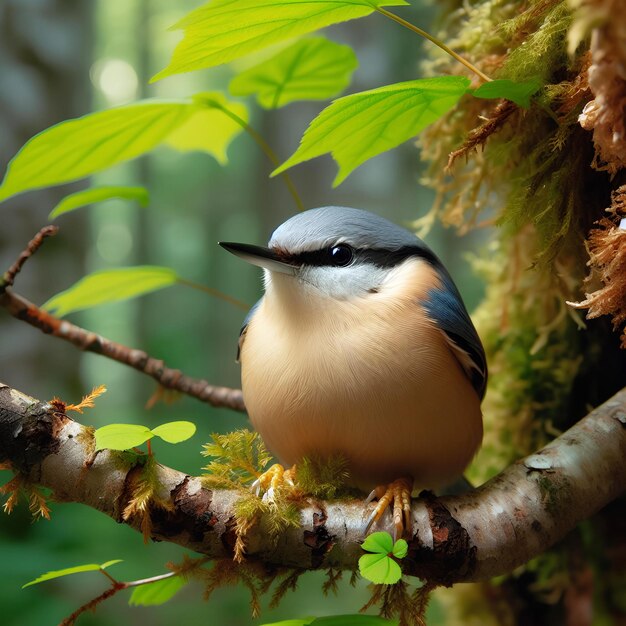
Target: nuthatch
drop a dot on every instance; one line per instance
(362, 347)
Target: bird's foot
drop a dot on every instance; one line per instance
(398, 494)
(273, 479)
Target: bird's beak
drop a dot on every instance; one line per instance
(263, 257)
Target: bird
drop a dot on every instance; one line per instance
(362, 347)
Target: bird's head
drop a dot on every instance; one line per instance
(336, 252)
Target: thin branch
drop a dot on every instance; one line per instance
(487, 532)
(91, 605)
(33, 245)
(116, 587)
(478, 136)
(88, 341)
(149, 581)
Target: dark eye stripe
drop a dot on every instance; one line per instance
(374, 256)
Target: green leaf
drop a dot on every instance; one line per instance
(110, 286)
(380, 543)
(358, 127)
(520, 93)
(90, 567)
(208, 129)
(175, 432)
(223, 30)
(158, 592)
(121, 436)
(99, 194)
(379, 569)
(400, 549)
(311, 69)
(80, 147)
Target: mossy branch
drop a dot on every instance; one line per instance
(490, 531)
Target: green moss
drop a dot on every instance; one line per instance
(322, 478)
(239, 458)
(543, 53)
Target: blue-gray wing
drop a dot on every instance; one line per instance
(446, 308)
(244, 328)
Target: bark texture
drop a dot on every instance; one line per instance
(475, 536)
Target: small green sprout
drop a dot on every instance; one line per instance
(127, 436)
(381, 566)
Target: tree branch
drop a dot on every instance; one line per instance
(485, 533)
(85, 340)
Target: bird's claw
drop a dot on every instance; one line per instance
(398, 494)
(270, 481)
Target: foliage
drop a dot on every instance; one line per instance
(224, 30)
(380, 566)
(127, 436)
(357, 127)
(111, 286)
(99, 194)
(520, 92)
(77, 148)
(536, 160)
(77, 569)
(311, 69)
(157, 592)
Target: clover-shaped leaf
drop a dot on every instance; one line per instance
(381, 567)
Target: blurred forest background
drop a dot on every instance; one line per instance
(63, 58)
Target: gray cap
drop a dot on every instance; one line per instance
(317, 229)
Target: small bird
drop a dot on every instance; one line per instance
(362, 347)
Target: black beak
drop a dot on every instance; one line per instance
(257, 255)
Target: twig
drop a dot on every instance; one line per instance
(478, 136)
(91, 605)
(88, 341)
(32, 247)
(116, 587)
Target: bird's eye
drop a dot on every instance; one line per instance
(341, 255)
